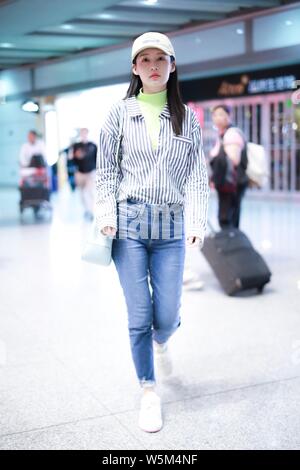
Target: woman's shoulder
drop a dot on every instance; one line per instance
(188, 111)
(116, 107)
(191, 118)
(111, 123)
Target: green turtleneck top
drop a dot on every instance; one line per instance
(151, 106)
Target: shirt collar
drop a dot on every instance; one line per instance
(134, 109)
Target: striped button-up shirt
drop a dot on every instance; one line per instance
(174, 173)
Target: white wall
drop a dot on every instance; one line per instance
(14, 125)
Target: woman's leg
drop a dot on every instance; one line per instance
(131, 260)
(166, 277)
(80, 182)
(89, 191)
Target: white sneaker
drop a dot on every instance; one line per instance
(150, 418)
(162, 358)
(188, 276)
(194, 285)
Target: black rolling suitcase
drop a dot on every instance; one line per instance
(236, 264)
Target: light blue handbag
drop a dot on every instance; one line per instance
(98, 247)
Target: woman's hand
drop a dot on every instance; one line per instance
(194, 241)
(109, 231)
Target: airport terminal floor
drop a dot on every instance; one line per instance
(67, 378)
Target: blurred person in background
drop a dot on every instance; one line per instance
(34, 181)
(84, 156)
(67, 153)
(32, 151)
(228, 160)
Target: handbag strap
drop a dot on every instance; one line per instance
(118, 153)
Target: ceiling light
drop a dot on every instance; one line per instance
(239, 31)
(198, 40)
(6, 44)
(288, 23)
(105, 16)
(150, 2)
(30, 106)
(67, 26)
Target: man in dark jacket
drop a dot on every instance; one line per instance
(84, 157)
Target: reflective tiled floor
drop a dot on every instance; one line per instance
(66, 376)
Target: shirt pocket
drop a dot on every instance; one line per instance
(180, 149)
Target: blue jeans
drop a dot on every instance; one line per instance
(150, 270)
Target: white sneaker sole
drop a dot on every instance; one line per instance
(152, 430)
(150, 417)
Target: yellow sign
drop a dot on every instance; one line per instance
(228, 89)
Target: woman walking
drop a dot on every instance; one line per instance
(152, 202)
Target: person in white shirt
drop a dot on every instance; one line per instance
(33, 146)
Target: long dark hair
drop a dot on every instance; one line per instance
(176, 106)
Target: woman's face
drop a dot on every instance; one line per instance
(220, 118)
(154, 68)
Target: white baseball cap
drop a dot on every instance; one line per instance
(149, 40)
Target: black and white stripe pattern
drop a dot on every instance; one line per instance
(174, 173)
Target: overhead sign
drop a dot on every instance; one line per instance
(245, 84)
